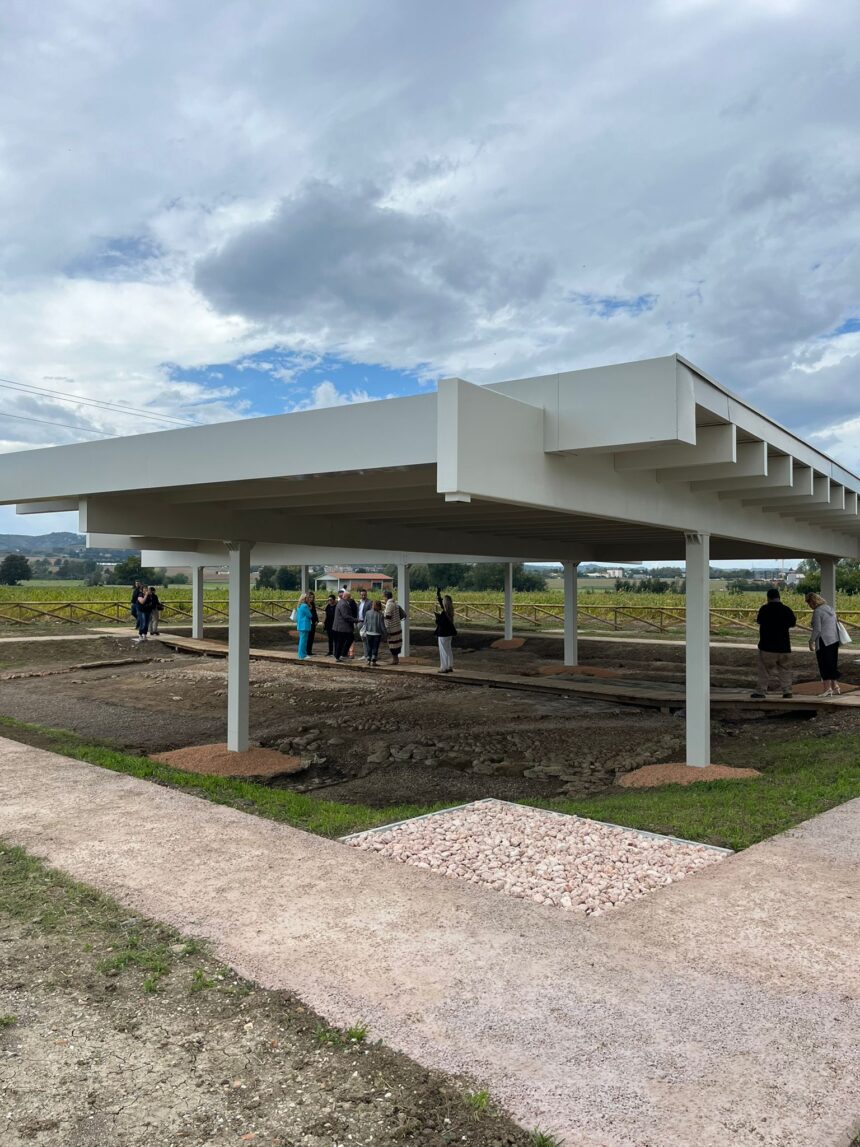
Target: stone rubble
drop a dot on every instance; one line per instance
(564, 862)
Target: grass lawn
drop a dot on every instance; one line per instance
(802, 778)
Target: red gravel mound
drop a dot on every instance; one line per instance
(650, 776)
(508, 643)
(216, 760)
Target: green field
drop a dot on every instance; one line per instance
(56, 591)
(600, 610)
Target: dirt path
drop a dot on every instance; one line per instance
(721, 1010)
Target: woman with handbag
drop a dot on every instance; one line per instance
(394, 616)
(824, 642)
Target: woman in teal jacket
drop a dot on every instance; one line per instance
(304, 624)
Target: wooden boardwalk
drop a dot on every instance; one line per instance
(618, 691)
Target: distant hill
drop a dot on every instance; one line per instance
(64, 543)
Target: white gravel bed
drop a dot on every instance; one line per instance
(563, 861)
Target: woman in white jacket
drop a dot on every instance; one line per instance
(824, 642)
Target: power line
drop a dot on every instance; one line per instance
(64, 395)
(63, 425)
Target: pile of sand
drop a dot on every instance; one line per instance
(650, 776)
(508, 643)
(218, 761)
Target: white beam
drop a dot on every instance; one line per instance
(403, 431)
(802, 486)
(571, 641)
(820, 496)
(714, 444)
(843, 509)
(197, 601)
(603, 409)
(403, 599)
(167, 552)
(509, 600)
(828, 579)
(48, 506)
(304, 579)
(780, 472)
(751, 463)
(239, 655)
(153, 519)
(698, 650)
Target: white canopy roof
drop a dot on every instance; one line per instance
(611, 463)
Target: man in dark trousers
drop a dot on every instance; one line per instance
(775, 621)
(343, 626)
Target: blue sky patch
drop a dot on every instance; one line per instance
(607, 306)
(278, 380)
(848, 327)
(120, 257)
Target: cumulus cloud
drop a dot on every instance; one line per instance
(347, 266)
(326, 394)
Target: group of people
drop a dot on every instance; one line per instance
(373, 621)
(146, 610)
(775, 621)
(381, 620)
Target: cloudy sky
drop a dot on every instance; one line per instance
(215, 210)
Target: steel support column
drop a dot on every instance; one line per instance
(698, 649)
(571, 641)
(238, 659)
(197, 601)
(304, 579)
(403, 598)
(509, 600)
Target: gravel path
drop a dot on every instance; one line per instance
(564, 861)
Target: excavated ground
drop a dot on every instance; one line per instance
(380, 739)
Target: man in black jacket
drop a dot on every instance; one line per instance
(775, 621)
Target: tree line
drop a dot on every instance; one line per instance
(481, 577)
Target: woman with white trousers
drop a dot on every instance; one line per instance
(445, 631)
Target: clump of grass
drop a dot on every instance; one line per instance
(200, 982)
(335, 1037)
(8, 1020)
(479, 1101)
(544, 1139)
(326, 1035)
(154, 959)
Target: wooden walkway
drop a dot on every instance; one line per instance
(618, 691)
